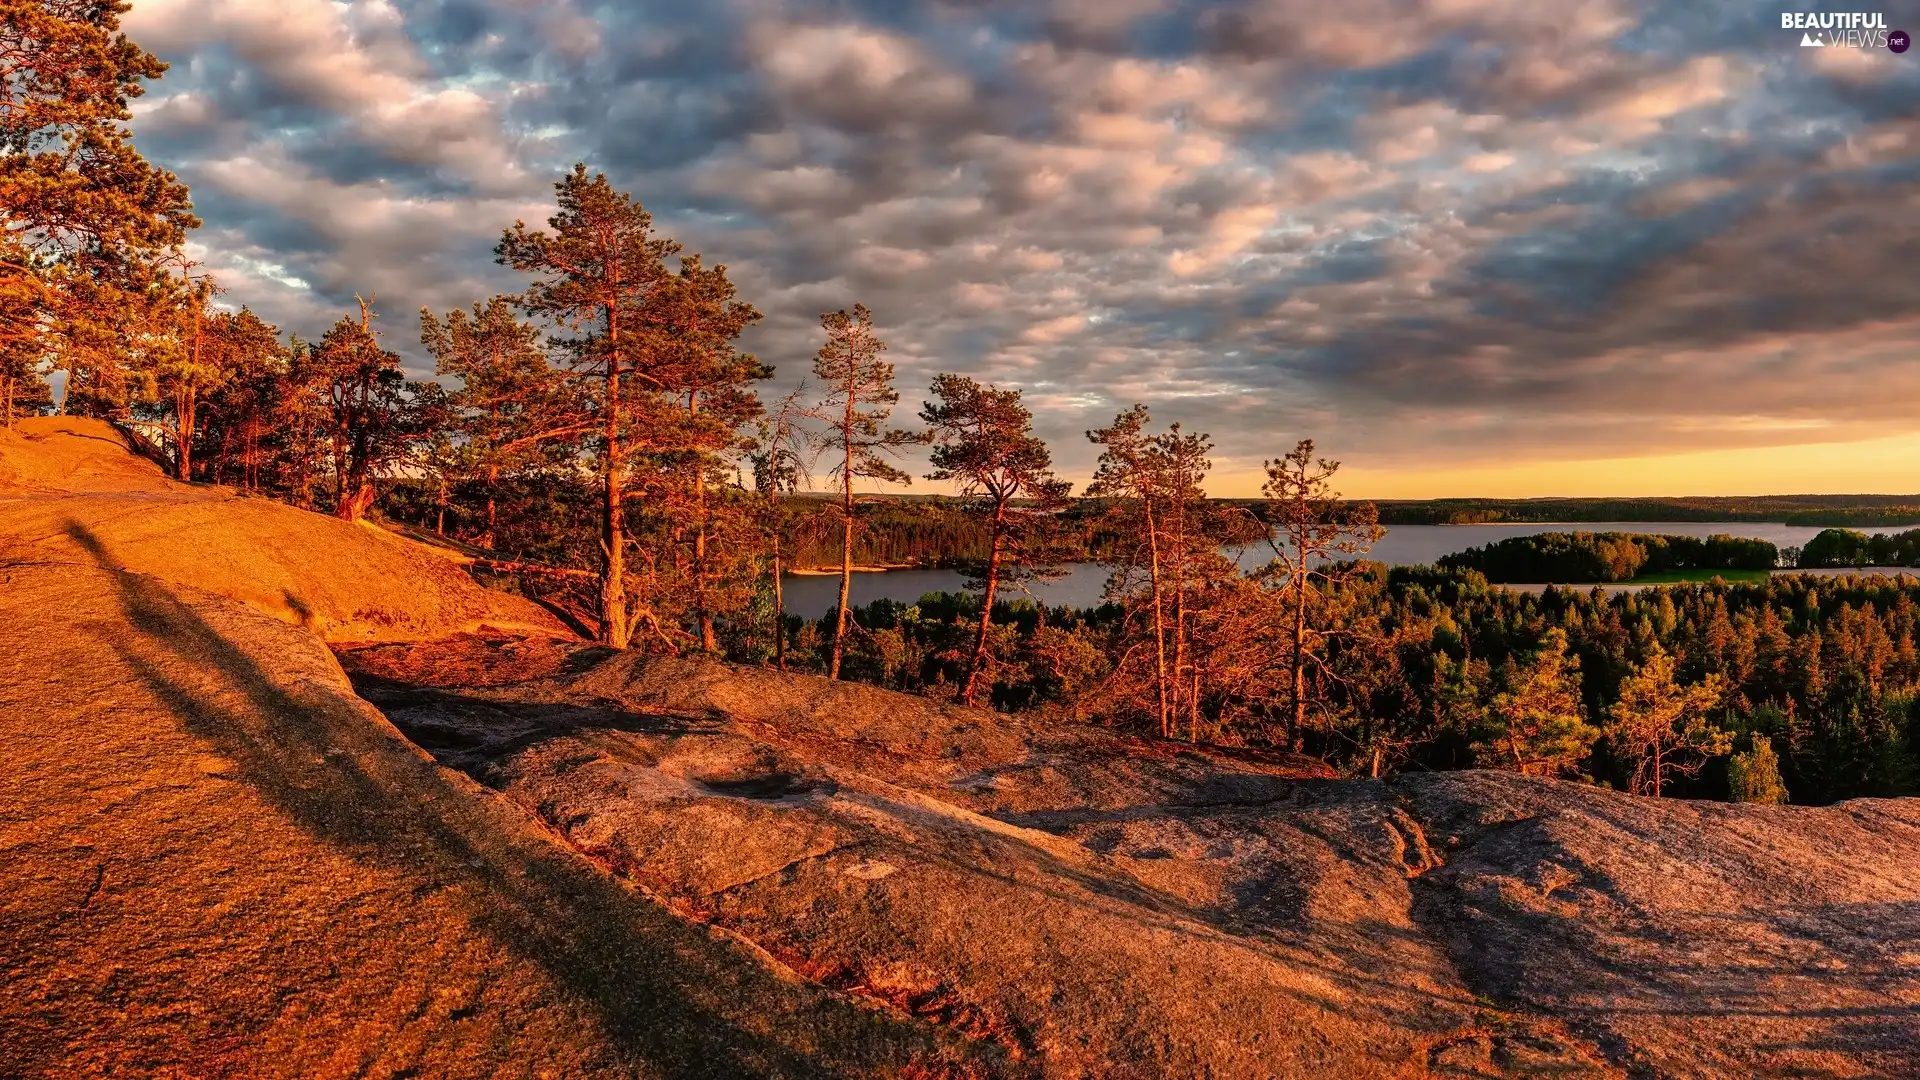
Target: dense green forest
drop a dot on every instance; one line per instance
(1437, 669)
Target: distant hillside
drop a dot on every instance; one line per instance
(1846, 510)
(1793, 509)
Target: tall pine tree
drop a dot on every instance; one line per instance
(1315, 537)
(600, 262)
(82, 215)
(858, 400)
(984, 443)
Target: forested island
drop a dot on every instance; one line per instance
(1846, 547)
(1594, 558)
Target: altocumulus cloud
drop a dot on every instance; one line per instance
(1409, 229)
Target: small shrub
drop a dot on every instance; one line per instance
(1754, 777)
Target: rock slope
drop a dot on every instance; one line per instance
(1105, 908)
(220, 863)
(71, 494)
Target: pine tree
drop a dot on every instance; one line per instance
(1537, 724)
(1664, 727)
(858, 399)
(301, 421)
(238, 409)
(23, 389)
(80, 209)
(597, 266)
(983, 441)
(691, 326)
(24, 352)
(1124, 475)
(511, 404)
(1154, 482)
(780, 460)
(1314, 536)
(187, 363)
(371, 422)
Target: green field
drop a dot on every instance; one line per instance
(1677, 577)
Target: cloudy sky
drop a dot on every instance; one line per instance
(1471, 247)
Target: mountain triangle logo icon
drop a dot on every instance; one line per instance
(1808, 41)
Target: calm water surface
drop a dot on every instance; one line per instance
(811, 597)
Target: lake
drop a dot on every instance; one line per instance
(811, 597)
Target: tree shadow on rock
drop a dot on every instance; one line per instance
(669, 997)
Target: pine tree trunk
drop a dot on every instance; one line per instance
(1159, 622)
(1193, 709)
(613, 538)
(708, 640)
(183, 400)
(846, 540)
(183, 408)
(359, 502)
(359, 494)
(779, 608)
(339, 468)
(1297, 714)
(248, 466)
(979, 657)
(356, 486)
(304, 481)
(702, 607)
(493, 479)
(1179, 627)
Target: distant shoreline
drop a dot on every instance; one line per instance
(1895, 524)
(1636, 586)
